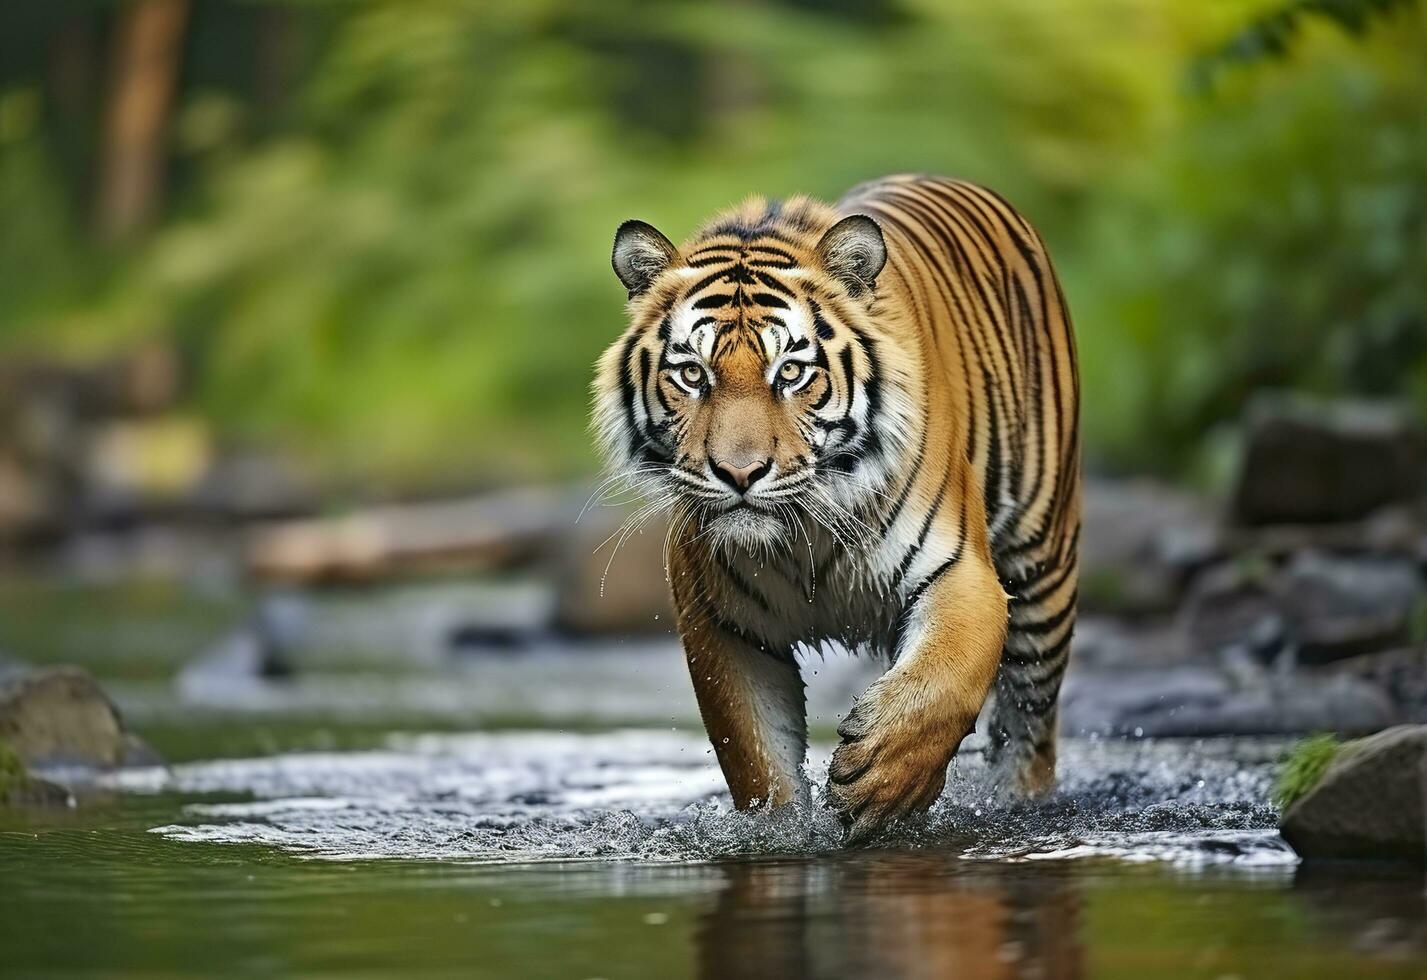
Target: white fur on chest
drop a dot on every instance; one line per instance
(814, 592)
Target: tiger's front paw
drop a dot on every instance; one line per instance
(887, 768)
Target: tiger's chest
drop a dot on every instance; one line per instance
(807, 598)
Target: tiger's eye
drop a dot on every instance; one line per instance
(791, 371)
(692, 375)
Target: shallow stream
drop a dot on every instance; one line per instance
(615, 854)
(555, 811)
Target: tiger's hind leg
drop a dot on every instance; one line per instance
(1038, 635)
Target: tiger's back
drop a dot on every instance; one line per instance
(988, 309)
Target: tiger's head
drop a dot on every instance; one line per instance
(751, 387)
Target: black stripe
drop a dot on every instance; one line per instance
(723, 275)
(743, 586)
(1041, 627)
(712, 260)
(736, 250)
(644, 373)
(916, 548)
(772, 283)
(627, 392)
(844, 358)
(1030, 658)
(744, 636)
(778, 252)
(916, 470)
(927, 583)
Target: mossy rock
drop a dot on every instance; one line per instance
(19, 788)
(60, 717)
(1304, 768)
(12, 769)
(1359, 800)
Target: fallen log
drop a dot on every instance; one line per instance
(475, 534)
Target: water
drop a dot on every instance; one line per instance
(652, 795)
(556, 812)
(615, 854)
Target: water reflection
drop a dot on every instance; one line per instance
(904, 915)
(1378, 909)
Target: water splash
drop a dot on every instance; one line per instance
(658, 796)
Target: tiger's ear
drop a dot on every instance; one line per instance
(854, 251)
(641, 252)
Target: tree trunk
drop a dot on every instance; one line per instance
(148, 44)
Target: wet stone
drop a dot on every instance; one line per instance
(19, 789)
(61, 718)
(1140, 542)
(1307, 460)
(1401, 673)
(1316, 607)
(1199, 700)
(1369, 802)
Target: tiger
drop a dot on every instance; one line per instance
(861, 421)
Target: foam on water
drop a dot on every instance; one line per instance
(658, 795)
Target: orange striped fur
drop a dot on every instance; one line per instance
(862, 420)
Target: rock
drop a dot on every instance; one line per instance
(203, 555)
(1319, 607)
(249, 485)
(1234, 606)
(1139, 543)
(19, 788)
(28, 508)
(1402, 674)
(602, 592)
(266, 647)
(1341, 607)
(1202, 700)
(87, 438)
(1398, 531)
(59, 717)
(1108, 642)
(1307, 460)
(1369, 803)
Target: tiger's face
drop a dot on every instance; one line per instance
(746, 391)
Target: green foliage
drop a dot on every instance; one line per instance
(1278, 240)
(403, 270)
(1273, 33)
(1304, 767)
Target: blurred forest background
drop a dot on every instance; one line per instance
(374, 235)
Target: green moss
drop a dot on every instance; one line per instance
(12, 771)
(1304, 767)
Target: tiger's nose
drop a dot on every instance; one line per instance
(741, 478)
